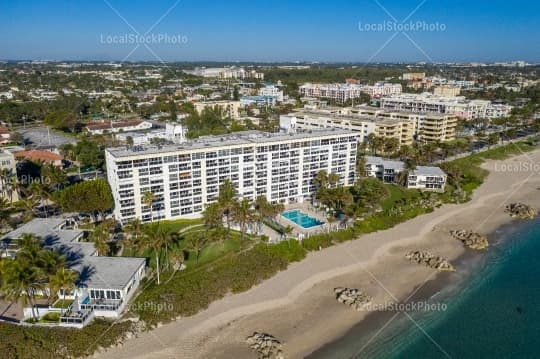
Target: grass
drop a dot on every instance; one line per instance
(64, 304)
(179, 224)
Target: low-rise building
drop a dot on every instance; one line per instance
(173, 132)
(118, 126)
(229, 108)
(272, 90)
(424, 178)
(8, 166)
(105, 284)
(42, 156)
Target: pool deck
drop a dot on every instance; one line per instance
(299, 231)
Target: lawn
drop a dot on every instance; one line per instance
(179, 224)
(60, 303)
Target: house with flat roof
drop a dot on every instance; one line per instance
(105, 284)
(425, 178)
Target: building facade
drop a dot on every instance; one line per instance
(185, 178)
(430, 103)
(229, 108)
(403, 126)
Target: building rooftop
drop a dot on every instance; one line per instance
(379, 161)
(232, 139)
(427, 171)
(94, 271)
(39, 155)
(107, 272)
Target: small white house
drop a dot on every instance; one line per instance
(428, 178)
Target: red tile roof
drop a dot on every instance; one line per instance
(38, 155)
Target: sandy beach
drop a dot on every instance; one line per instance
(297, 305)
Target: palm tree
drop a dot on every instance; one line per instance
(22, 281)
(243, 214)
(133, 229)
(227, 200)
(148, 200)
(39, 193)
(4, 213)
(100, 236)
(64, 279)
(156, 237)
(196, 242)
(54, 176)
(213, 215)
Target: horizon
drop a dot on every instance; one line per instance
(353, 32)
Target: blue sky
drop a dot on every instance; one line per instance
(265, 30)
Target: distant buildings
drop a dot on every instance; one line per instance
(344, 92)
(118, 126)
(185, 178)
(271, 90)
(403, 126)
(225, 73)
(425, 178)
(229, 108)
(258, 100)
(445, 90)
(427, 102)
(173, 132)
(5, 135)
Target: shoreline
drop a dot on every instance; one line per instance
(297, 306)
(443, 284)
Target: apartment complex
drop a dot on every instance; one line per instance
(404, 126)
(424, 178)
(229, 108)
(348, 91)
(427, 102)
(225, 73)
(186, 177)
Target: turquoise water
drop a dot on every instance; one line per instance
(493, 313)
(302, 219)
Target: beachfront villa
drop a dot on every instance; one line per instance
(105, 284)
(425, 178)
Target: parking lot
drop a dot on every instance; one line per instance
(40, 136)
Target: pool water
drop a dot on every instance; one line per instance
(301, 219)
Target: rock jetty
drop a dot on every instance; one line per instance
(521, 210)
(352, 297)
(470, 239)
(266, 345)
(430, 260)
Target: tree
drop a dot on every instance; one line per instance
(243, 214)
(65, 280)
(155, 238)
(148, 200)
(88, 196)
(53, 176)
(22, 281)
(196, 242)
(39, 193)
(493, 139)
(100, 236)
(213, 215)
(227, 200)
(133, 229)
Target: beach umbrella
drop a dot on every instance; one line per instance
(76, 306)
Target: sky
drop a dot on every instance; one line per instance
(271, 30)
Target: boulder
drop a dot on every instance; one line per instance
(352, 297)
(266, 345)
(521, 210)
(470, 239)
(430, 260)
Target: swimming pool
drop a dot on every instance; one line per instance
(301, 219)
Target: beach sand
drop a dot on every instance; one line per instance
(297, 305)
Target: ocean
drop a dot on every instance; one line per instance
(489, 308)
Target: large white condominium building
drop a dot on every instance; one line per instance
(345, 92)
(184, 178)
(225, 73)
(404, 126)
(427, 102)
